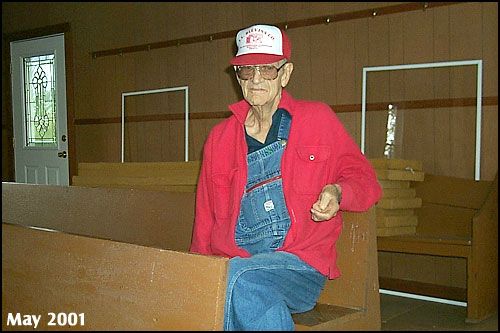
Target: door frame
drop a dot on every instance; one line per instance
(7, 119)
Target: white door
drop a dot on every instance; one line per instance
(39, 111)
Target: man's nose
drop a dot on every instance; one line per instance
(256, 75)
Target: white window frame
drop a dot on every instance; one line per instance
(479, 94)
(156, 91)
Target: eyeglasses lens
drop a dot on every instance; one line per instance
(247, 72)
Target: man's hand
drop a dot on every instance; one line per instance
(328, 203)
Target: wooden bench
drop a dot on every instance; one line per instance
(161, 176)
(120, 257)
(458, 218)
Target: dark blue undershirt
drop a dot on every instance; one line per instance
(272, 135)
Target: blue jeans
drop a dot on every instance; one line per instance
(264, 290)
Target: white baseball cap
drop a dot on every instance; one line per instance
(261, 44)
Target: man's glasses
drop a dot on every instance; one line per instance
(268, 72)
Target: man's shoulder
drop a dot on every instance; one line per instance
(224, 127)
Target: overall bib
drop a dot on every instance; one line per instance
(266, 288)
(264, 220)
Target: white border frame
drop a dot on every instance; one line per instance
(155, 91)
(479, 94)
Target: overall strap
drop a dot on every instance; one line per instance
(284, 128)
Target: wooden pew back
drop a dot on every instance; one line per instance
(113, 285)
(127, 215)
(161, 176)
(449, 204)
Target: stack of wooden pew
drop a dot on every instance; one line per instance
(395, 211)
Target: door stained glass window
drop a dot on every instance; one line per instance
(40, 101)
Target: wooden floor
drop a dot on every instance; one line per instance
(407, 314)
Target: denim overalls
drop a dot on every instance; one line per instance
(264, 220)
(266, 288)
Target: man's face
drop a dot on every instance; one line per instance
(259, 91)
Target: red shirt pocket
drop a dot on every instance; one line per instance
(311, 169)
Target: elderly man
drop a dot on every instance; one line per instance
(274, 180)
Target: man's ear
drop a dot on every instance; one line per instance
(287, 73)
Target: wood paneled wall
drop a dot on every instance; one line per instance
(328, 59)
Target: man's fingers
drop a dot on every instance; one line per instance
(316, 206)
(322, 216)
(324, 200)
(324, 208)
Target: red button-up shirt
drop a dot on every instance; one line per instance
(319, 152)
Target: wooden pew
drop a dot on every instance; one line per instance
(351, 302)
(445, 227)
(458, 218)
(109, 285)
(160, 176)
(120, 257)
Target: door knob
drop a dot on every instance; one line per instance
(62, 154)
